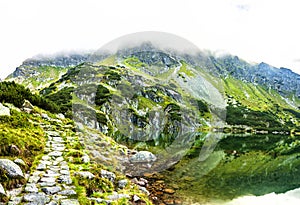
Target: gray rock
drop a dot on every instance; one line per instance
(58, 139)
(2, 191)
(67, 192)
(46, 184)
(51, 190)
(53, 203)
(41, 166)
(31, 188)
(20, 162)
(53, 133)
(136, 198)
(85, 158)
(85, 175)
(55, 154)
(34, 179)
(122, 183)
(48, 179)
(142, 156)
(11, 168)
(115, 196)
(69, 202)
(64, 179)
(45, 116)
(65, 172)
(60, 116)
(15, 200)
(37, 198)
(14, 192)
(4, 110)
(143, 189)
(108, 175)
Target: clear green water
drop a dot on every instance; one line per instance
(238, 166)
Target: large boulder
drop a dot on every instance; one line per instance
(4, 110)
(11, 168)
(142, 156)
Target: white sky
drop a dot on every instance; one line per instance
(255, 30)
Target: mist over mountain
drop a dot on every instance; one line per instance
(173, 109)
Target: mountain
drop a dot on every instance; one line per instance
(173, 104)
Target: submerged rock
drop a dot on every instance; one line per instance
(11, 168)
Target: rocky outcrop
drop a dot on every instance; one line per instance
(11, 169)
(282, 80)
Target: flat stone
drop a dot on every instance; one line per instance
(53, 133)
(65, 172)
(64, 163)
(51, 190)
(58, 160)
(44, 184)
(15, 200)
(55, 154)
(65, 179)
(31, 188)
(14, 192)
(54, 168)
(33, 179)
(11, 168)
(41, 166)
(115, 196)
(64, 167)
(67, 192)
(69, 202)
(46, 157)
(85, 175)
(38, 198)
(57, 139)
(52, 175)
(60, 149)
(48, 179)
(53, 203)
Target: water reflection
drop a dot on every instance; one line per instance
(237, 165)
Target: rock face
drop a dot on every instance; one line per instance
(4, 110)
(12, 169)
(282, 80)
(143, 156)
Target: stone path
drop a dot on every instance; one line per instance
(50, 183)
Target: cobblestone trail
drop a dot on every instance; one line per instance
(50, 183)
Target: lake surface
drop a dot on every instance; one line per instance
(237, 166)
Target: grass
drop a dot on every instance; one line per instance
(184, 69)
